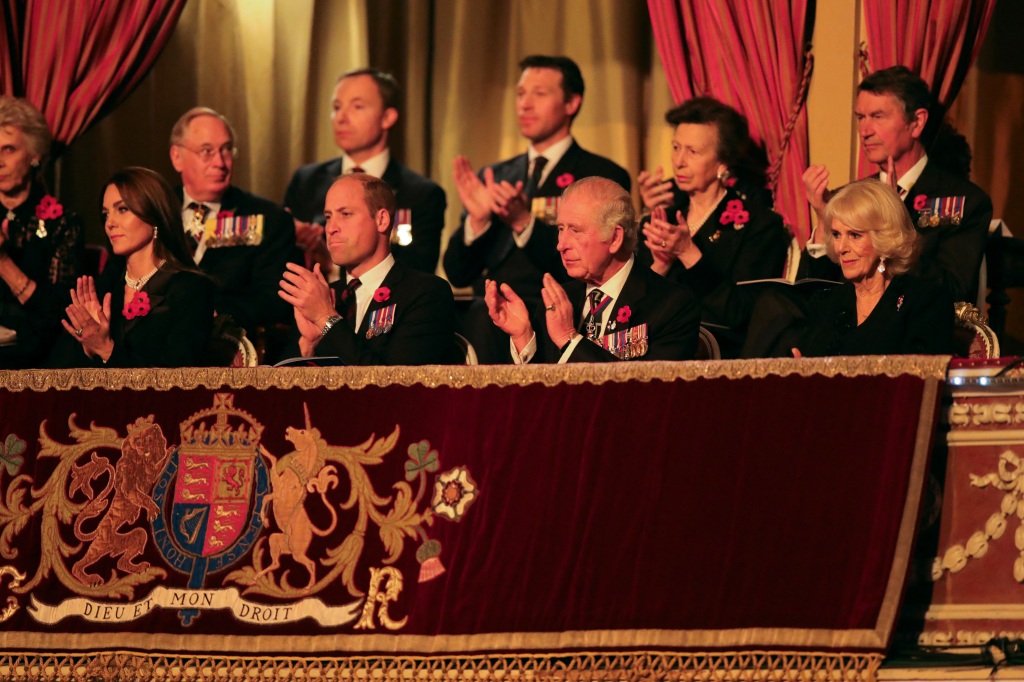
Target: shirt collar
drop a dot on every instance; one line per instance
(553, 154)
(906, 182)
(374, 277)
(375, 165)
(613, 287)
(213, 206)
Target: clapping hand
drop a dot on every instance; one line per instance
(89, 320)
(655, 190)
(508, 312)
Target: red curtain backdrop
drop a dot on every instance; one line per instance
(936, 39)
(751, 55)
(77, 60)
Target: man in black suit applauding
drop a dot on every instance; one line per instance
(507, 233)
(382, 312)
(240, 240)
(364, 108)
(614, 310)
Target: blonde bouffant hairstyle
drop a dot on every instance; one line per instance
(873, 207)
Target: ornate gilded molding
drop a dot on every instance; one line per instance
(922, 366)
(985, 414)
(1009, 478)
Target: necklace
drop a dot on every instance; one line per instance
(137, 284)
(694, 227)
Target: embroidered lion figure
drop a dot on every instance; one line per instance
(144, 453)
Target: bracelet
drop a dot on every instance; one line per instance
(19, 292)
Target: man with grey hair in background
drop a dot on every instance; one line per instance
(240, 240)
(612, 310)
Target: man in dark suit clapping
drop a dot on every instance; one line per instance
(364, 109)
(382, 312)
(615, 309)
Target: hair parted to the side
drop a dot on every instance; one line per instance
(901, 83)
(19, 113)
(572, 77)
(872, 207)
(151, 198)
(736, 149)
(377, 194)
(616, 208)
(387, 85)
(181, 125)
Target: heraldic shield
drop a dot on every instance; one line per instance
(213, 485)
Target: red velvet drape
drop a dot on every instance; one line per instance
(936, 39)
(751, 55)
(77, 60)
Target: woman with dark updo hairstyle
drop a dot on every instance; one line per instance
(41, 245)
(720, 229)
(151, 307)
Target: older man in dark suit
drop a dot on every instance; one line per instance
(241, 240)
(615, 309)
(382, 312)
(364, 110)
(951, 214)
(507, 233)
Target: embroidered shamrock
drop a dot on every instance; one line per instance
(564, 180)
(920, 201)
(49, 208)
(734, 213)
(381, 294)
(10, 453)
(137, 307)
(623, 314)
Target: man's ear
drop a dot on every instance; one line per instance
(618, 235)
(383, 221)
(389, 118)
(176, 157)
(918, 123)
(572, 105)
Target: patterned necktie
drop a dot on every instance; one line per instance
(534, 182)
(592, 323)
(348, 303)
(195, 229)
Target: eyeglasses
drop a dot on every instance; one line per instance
(207, 154)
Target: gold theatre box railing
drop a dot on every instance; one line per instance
(662, 520)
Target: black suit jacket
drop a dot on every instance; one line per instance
(913, 316)
(174, 333)
(671, 312)
(248, 276)
(424, 198)
(950, 254)
(494, 255)
(730, 255)
(423, 331)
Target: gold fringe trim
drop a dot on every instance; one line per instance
(923, 366)
(684, 667)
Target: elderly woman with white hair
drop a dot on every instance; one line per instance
(41, 243)
(880, 309)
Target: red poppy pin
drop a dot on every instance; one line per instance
(381, 294)
(564, 180)
(920, 201)
(49, 208)
(137, 307)
(622, 316)
(734, 213)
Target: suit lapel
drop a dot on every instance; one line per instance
(393, 177)
(155, 289)
(392, 281)
(566, 164)
(634, 291)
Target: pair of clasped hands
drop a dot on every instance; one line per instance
(482, 198)
(509, 313)
(89, 319)
(667, 243)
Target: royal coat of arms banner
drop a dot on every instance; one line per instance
(652, 516)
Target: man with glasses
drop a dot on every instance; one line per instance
(239, 239)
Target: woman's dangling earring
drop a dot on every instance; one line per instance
(156, 231)
(723, 175)
(881, 266)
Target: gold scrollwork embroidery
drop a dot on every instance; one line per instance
(12, 603)
(392, 588)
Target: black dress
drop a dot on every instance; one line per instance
(49, 250)
(913, 316)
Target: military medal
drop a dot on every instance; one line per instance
(234, 230)
(382, 321)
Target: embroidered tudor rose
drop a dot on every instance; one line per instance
(454, 491)
(381, 294)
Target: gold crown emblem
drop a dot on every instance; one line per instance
(221, 428)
